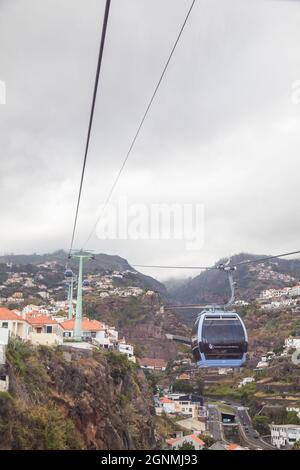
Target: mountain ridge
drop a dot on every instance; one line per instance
(212, 285)
(102, 263)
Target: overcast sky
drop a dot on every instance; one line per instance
(223, 130)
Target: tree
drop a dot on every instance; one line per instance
(208, 440)
(182, 386)
(296, 445)
(292, 418)
(278, 348)
(186, 446)
(199, 385)
(169, 367)
(152, 381)
(261, 424)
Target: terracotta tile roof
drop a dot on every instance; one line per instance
(17, 312)
(6, 314)
(152, 362)
(197, 439)
(233, 447)
(183, 377)
(172, 441)
(87, 325)
(165, 400)
(40, 320)
(178, 440)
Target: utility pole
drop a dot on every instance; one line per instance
(78, 317)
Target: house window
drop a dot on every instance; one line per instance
(49, 329)
(93, 334)
(4, 324)
(67, 334)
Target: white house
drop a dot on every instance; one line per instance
(292, 342)
(294, 291)
(152, 363)
(127, 349)
(16, 325)
(168, 405)
(3, 343)
(2, 354)
(245, 381)
(262, 365)
(3, 336)
(91, 329)
(176, 443)
(44, 330)
(283, 435)
(188, 408)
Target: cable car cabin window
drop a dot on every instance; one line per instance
(223, 331)
(223, 338)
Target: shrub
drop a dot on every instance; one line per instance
(261, 424)
(119, 364)
(45, 428)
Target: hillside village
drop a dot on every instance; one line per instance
(192, 408)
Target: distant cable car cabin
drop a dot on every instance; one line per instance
(68, 273)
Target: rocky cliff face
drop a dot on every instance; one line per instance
(64, 399)
(141, 322)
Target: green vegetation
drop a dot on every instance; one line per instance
(296, 445)
(207, 439)
(292, 418)
(261, 424)
(232, 434)
(186, 446)
(166, 426)
(231, 391)
(199, 385)
(46, 427)
(38, 427)
(17, 355)
(120, 365)
(152, 381)
(183, 386)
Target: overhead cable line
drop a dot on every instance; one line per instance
(173, 267)
(205, 268)
(258, 260)
(141, 123)
(102, 42)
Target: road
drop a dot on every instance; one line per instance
(214, 424)
(249, 434)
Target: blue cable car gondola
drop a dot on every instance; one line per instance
(68, 273)
(219, 339)
(86, 283)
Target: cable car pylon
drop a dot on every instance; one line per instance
(70, 299)
(81, 255)
(69, 276)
